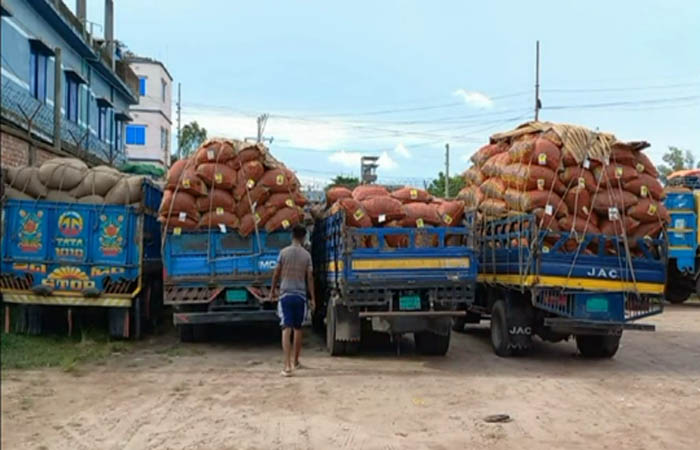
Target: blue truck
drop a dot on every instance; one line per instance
(73, 255)
(363, 284)
(534, 282)
(683, 204)
(212, 278)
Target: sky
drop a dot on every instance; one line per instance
(400, 79)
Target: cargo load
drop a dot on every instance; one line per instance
(231, 185)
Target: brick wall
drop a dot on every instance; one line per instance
(13, 151)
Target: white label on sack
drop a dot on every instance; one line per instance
(644, 191)
(289, 202)
(182, 216)
(218, 177)
(210, 154)
(652, 209)
(640, 167)
(542, 159)
(581, 182)
(382, 218)
(250, 183)
(540, 184)
(586, 163)
(222, 228)
(219, 211)
(413, 193)
(420, 223)
(548, 210)
(177, 231)
(613, 213)
(606, 160)
(618, 172)
(285, 224)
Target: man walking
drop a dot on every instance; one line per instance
(295, 274)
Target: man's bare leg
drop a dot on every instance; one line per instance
(297, 345)
(287, 348)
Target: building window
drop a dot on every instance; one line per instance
(142, 85)
(163, 85)
(136, 134)
(72, 98)
(118, 144)
(38, 63)
(102, 123)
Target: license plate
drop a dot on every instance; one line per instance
(236, 296)
(409, 302)
(597, 304)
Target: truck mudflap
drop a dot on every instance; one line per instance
(197, 318)
(577, 326)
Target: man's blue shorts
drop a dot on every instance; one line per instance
(291, 308)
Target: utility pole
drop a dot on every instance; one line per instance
(447, 170)
(262, 121)
(179, 129)
(538, 104)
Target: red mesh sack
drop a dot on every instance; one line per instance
(613, 198)
(495, 164)
(472, 197)
(521, 151)
(248, 176)
(250, 153)
(650, 230)
(451, 212)
(645, 186)
(578, 176)
(616, 227)
(493, 207)
(284, 219)
(546, 221)
(473, 176)
(648, 210)
(299, 198)
(623, 155)
(578, 224)
(173, 204)
(644, 165)
(396, 240)
(487, 151)
(614, 175)
(217, 175)
(383, 209)
(184, 177)
(248, 222)
(365, 191)
(256, 196)
(530, 200)
(215, 151)
(528, 177)
(355, 214)
(336, 193)
(408, 194)
(494, 188)
(420, 214)
(218, 217)
(217, 198)
(578, 201)
(173, 222)
(175, 172)
(277, 180)
(281, 200)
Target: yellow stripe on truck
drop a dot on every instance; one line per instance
(66, 300)
(574, 283)
(414, 263)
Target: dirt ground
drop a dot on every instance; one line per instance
(228, 394)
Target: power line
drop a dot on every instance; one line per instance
(620, 89)
(626, 103)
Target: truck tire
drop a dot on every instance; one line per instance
(117, 318)
(429, 343)
(458, 324)
(335, 347)
(503, 343)
(676, 295)
(597, 346)
(186, 333)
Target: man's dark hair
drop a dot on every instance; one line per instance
(299, 232)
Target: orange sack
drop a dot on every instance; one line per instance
(336, 193)
(616, 227)
(473, 176)
(614, 175)
(578, 200)
(649, 230)
(217, 198)
(610, 198)
(451, 212)
(396, 240)
(281, 200)
(249, 153)
(648, 210)
(174, 222)
(645, 186)
(355, 214)
(578, 224)
(578, 176)
(173, 204)
(408, 194)
(277, 180)
(420, 214)
(365, 191)
(189, 182)
(256, 196)
(383, 209)
(529, 200)
(546, 221)
(528, 177)
(644, 165)
(495, 164)
(215, 151)
(218, 217)
(472, 197)
(284, 219)
(175, 172)
(493, 207)
(249, 221)
(623, 155)
(487, 151)
(217, 175)
(494, 188)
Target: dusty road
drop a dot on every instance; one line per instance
(229, 395)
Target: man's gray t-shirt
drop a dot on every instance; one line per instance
(295, 261)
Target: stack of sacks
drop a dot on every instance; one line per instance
(230, 184)
(70, 180)
(570, 178)
(407, 207)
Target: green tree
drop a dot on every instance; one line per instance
(437, 186)
(348, 181)
(191, 137)
(676, 159)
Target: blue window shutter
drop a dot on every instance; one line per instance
(142, 85)
(136, 134)
(33, 72)
(42, 62)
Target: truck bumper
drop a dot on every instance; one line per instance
(67, 300)
(182, 318)
(575, 326)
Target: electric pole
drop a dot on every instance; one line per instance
(538, 104)
(179, 129)
(262, 121)
(447, 170)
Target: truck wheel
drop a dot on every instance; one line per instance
(676, 295)
(118, 320)
(429, 343)
(335, 347)
(186, 333)
(458, 324)
(136, 319)
(503, 343)
(317, 322)
(597, 346)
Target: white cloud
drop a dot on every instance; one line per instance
(474, 98)
(347, 159)
(385, 162)
(402, 151)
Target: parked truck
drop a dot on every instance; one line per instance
(220, 278)
(683, 204)
(532, 282)
(364, 285)
(58, 255)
